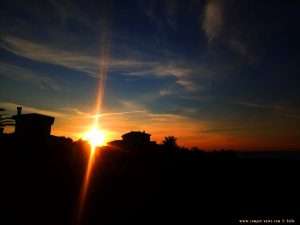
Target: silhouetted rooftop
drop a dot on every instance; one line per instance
(136, 133)
(34, 116)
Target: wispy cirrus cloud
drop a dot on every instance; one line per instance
(85, 62)
(165, 92)
(115, 113)
(41, 81)
(40, 52)
(261, 106)
(11, 106)
(213, 18)
(199, 98)
(187, 73)
(220, 26)
(188, 85)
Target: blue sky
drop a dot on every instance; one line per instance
(215, 74)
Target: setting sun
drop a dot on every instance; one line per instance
(95, 137)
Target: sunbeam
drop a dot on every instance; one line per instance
(95, 137)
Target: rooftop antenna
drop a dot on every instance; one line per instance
(19, 111)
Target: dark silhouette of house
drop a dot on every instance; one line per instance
(32, 125)
(133, 138)
(136, 137)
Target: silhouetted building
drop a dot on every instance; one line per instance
(115, 143)
(32, 125)
(136, 137)
(133, 138)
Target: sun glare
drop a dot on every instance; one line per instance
(95, 137)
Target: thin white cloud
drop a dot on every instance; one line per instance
(190, 75)
(188, 85)
(116, 113)
(165, 92)
(21, 74)
(190, 110)
(172, 69)
(43, 53)
(70, 59)
(143, 111)
(10, 106)
(74, 111)
(131, 106)
(218, 27)
(202, 98)
(260, 105)
(186, 73)
(213, 19)
(186, 76)
(165, 117)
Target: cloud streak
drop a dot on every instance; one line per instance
(28, 109)
(187, 73)
(225, 25)
(213, 19)
(80, 61)
(113, 114)
(260, 105)
(21, 74)
(39, 52)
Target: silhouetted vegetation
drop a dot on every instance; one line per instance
(170, 142)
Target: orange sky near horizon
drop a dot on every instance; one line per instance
(188, 133)
(205, 135)
(185, 137)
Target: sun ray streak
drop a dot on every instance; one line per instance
(85, 185)
(103, 63)
(104, 60)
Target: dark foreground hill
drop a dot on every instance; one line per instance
(41, 181)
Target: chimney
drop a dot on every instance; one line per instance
(19, 111)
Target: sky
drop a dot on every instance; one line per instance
(215, 74)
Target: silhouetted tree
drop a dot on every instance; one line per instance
(170, 142)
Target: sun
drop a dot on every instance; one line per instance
(95, 137)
